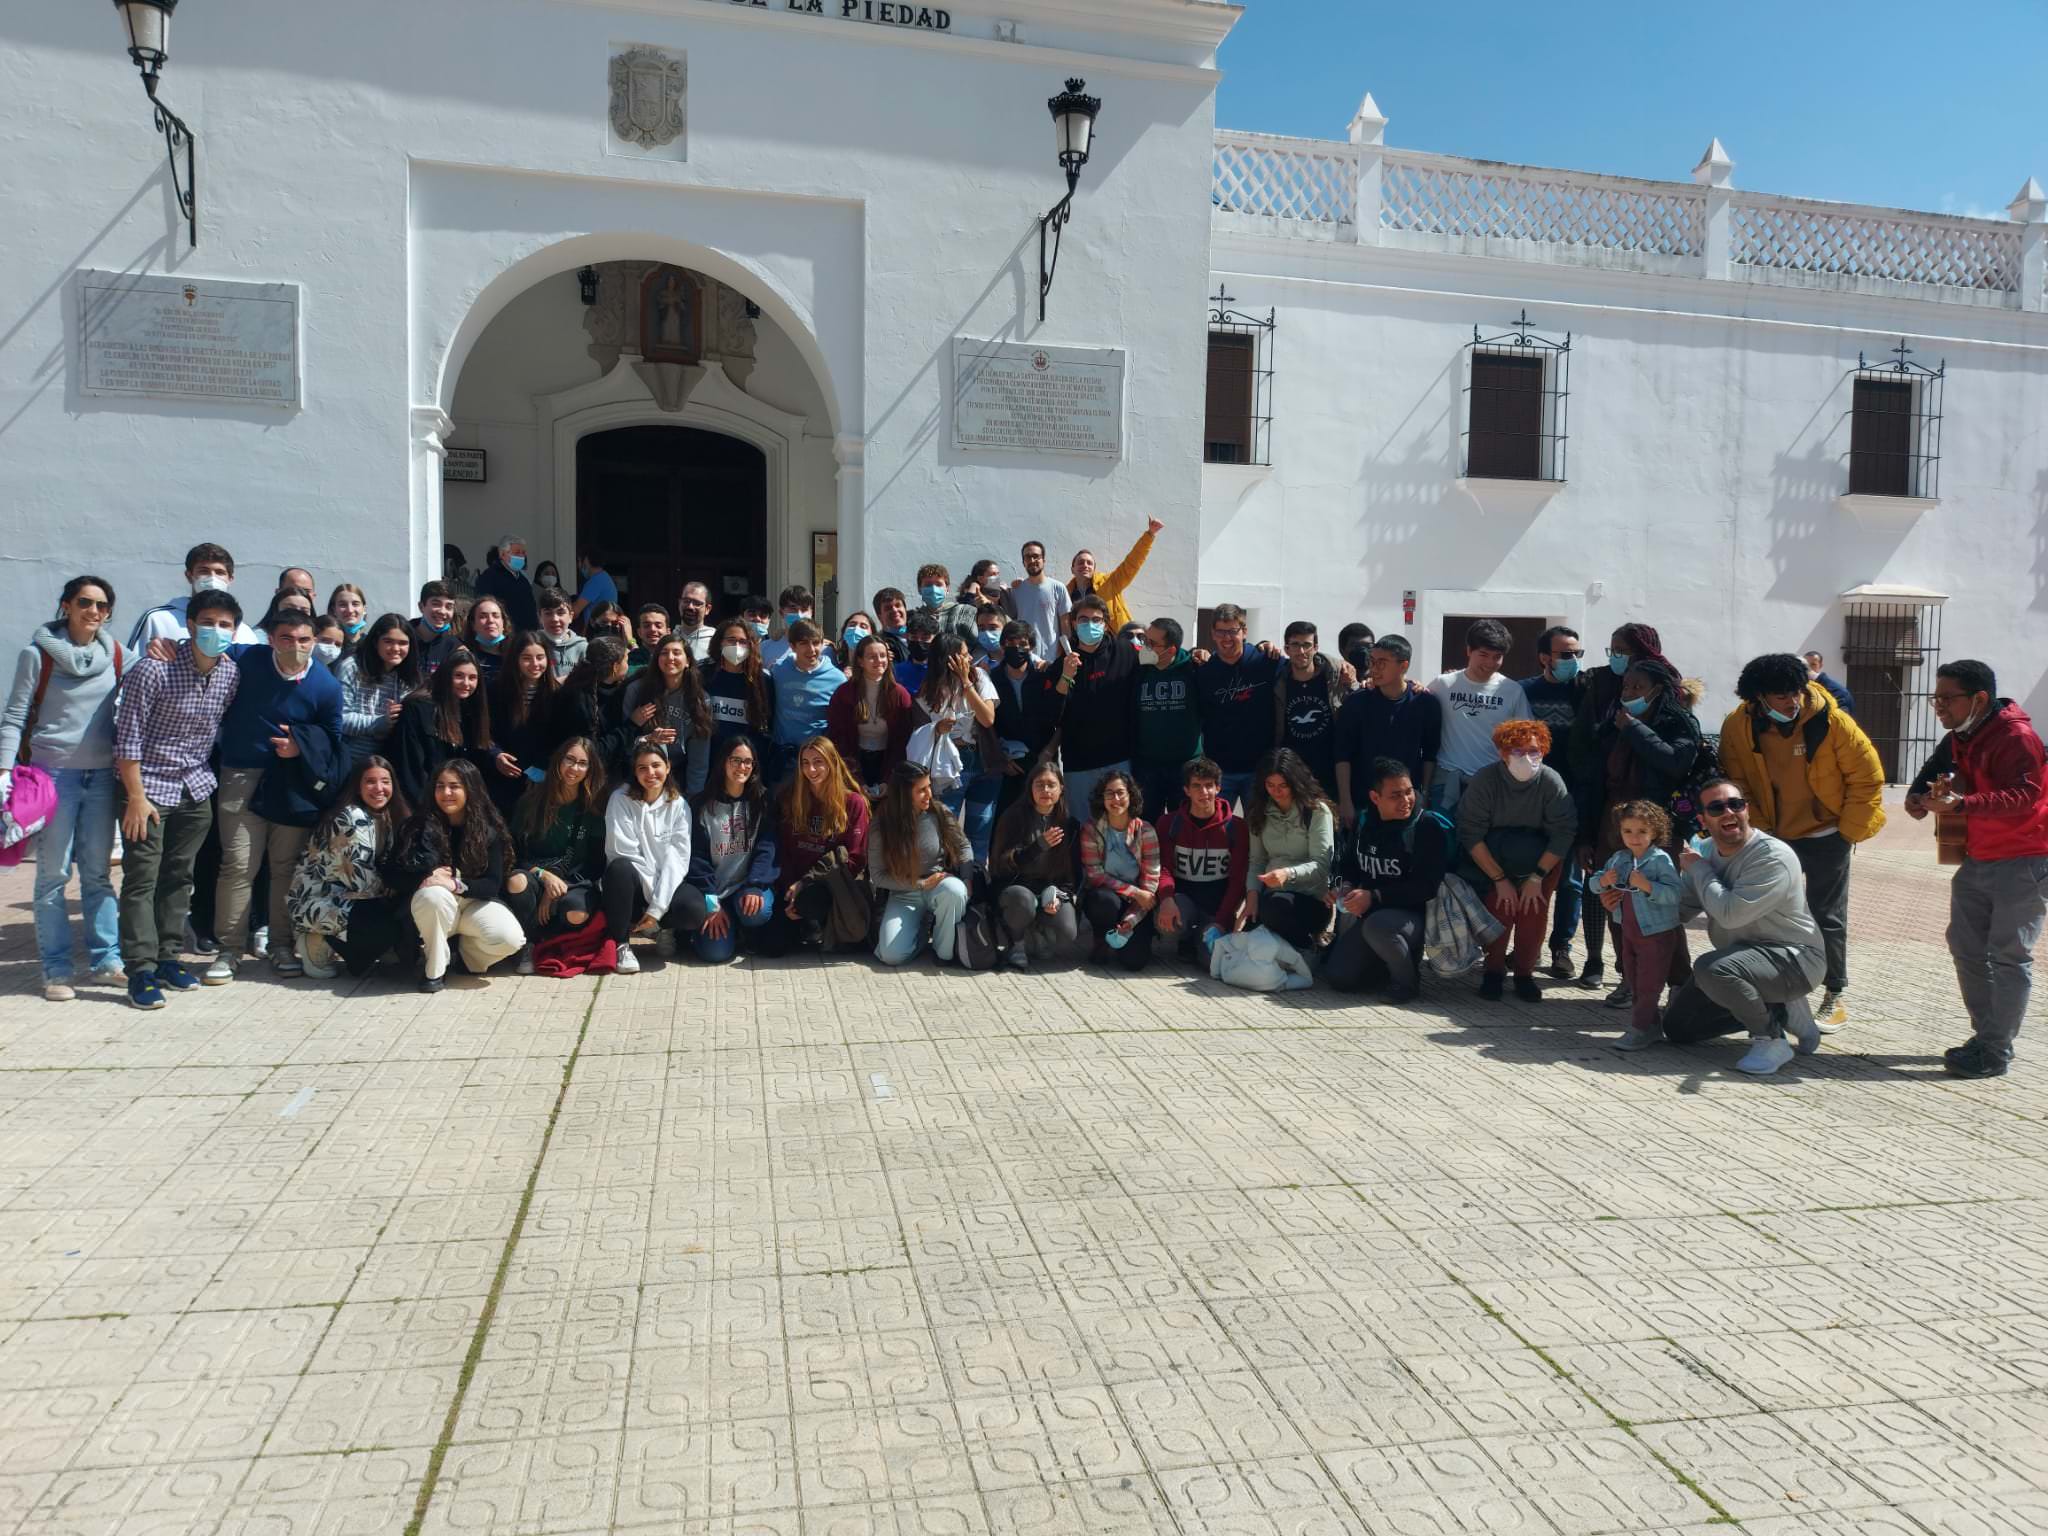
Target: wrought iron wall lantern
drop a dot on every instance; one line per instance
(1073, 117)
(148, 25)
(586, 285)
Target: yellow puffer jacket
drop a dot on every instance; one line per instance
(1110, 586)
(1842, 767)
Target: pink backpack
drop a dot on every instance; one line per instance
(31, 802)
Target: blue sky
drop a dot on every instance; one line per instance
(1915, 105)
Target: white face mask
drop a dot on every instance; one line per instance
(206, 581)
(735, 654)
(1522, 767)
(327, 652)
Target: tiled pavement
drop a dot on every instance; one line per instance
(818, 1248)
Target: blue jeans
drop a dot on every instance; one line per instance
(81, 832)
(1236, 786)
(1564, 926)
(1081, 784)
(973, 801)
(902, 930)
(719, 950)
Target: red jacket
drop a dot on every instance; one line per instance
(2005, 794)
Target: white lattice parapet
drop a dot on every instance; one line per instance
(1306, 181)
(1481, 200)
(1840, 240)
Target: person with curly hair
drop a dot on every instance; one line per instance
(454, 853)
(1121, 875)
(1640, 887)
(1291, 850)
(1516, 825)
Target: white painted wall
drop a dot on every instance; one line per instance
(1708, 441)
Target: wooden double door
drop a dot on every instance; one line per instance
(668, 505)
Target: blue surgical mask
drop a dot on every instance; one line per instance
(1565, 668)
(897, 629)
(1637, 707)
(853, 638)
(517, 562)
(489, 642)
(759, 627)
(1618, 664)
(438, 629)
(1089, 631)
(352, 630)
(991, 639)
(933, 595)
(211, 640)
(1781, 719)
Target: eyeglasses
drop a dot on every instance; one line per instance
(1726, 807)
(98, 604)
(1952, 698)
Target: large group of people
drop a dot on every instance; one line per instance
(993, 772)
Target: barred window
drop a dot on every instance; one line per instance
(1515, 394)
(1895, 426)
(1238, 420)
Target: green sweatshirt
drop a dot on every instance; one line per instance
(1169, 713)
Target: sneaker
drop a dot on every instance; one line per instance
(1623, 996)
(1800, 1026)
(317, 958)
(110, 976)
(665, 944)
(1633, 1039)
(1974, 1059)
(287, 963)
(1830, 1015)
(224, 969)
(1527, 990)
(1561, 961)
(1399, 993)
(1593, 977)
(432, 984)
(629, 963)
(58, 992)
(522, 963)
(1018, 958)
(1491, 986)
(259, 941)
(143, 992)
(172, 976)
(197, 943)
(1765, 1056)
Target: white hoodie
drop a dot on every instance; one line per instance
(654, 837)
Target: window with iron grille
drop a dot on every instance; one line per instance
(1516, 387)
(1238, 421)
(1890, 651)
(1895, 426)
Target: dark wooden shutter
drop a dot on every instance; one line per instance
(1881, 438)
(1506, 440)
(1227, 435)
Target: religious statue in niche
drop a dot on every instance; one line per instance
(671, 316)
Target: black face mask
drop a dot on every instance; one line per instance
(920, 650)
(1018, 656)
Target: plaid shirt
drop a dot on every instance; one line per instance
(167, 721)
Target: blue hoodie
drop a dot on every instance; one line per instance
(801, 699)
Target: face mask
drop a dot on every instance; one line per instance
(920, 650)
(551, 580)
(212, 641)
(1138, 643)
(1618, 664)
(759, 627)
(517, 562)
(209, 583)
(1089, 631)
(1565, 668)
(853, 637)
(1018, 656)
(735, 654)
(933, 595)
(991, 639)
(437, 629)
(1523, 769)
(327, 652)
(489, 642)
(1781, 719)
(352, 630)
(1636, 707)
(790, 618)
(898, 629)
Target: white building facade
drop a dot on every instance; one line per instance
(695, 278)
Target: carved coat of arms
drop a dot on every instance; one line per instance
(647, 97)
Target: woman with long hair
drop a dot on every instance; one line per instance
(733, 865)
(1035, 869)
(522, 719)
(1120, 872)
(1293, 845)
(667, 705)
(449, 718)
(741, 692)
(342, 910)
(483, 634)
(375, 677)
(858, 626)
(348, 607)
(558, 838)
(918, 855)
(959, 702)
(647, 853)
(67, 677)
(608, 618)
(870, 717)
(591, 703)
(455, 853)
(825, 816)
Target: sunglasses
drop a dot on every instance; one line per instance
(97, 604)
(1726, 807)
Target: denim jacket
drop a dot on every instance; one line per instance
(1658, 911)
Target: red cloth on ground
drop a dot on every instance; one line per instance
(575, 951)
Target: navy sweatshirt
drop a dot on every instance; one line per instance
(265, 701)
(1237, 708)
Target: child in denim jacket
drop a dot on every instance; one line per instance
(1641, 883)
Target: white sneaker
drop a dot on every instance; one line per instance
(1830, 1015)
(223, 970)
(1801, 1027)
(1639, 1039)
(316, 957)
(259, 941)
(58, 992)
(1765, 1056)
(628, 964)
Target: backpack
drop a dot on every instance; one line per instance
(1682, 805)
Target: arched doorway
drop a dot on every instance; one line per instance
(665, 505)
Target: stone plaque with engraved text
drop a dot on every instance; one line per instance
(188, 338)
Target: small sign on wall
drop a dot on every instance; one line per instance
(463, 464)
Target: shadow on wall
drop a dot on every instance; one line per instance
(1815, 543)
(2040, 541)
